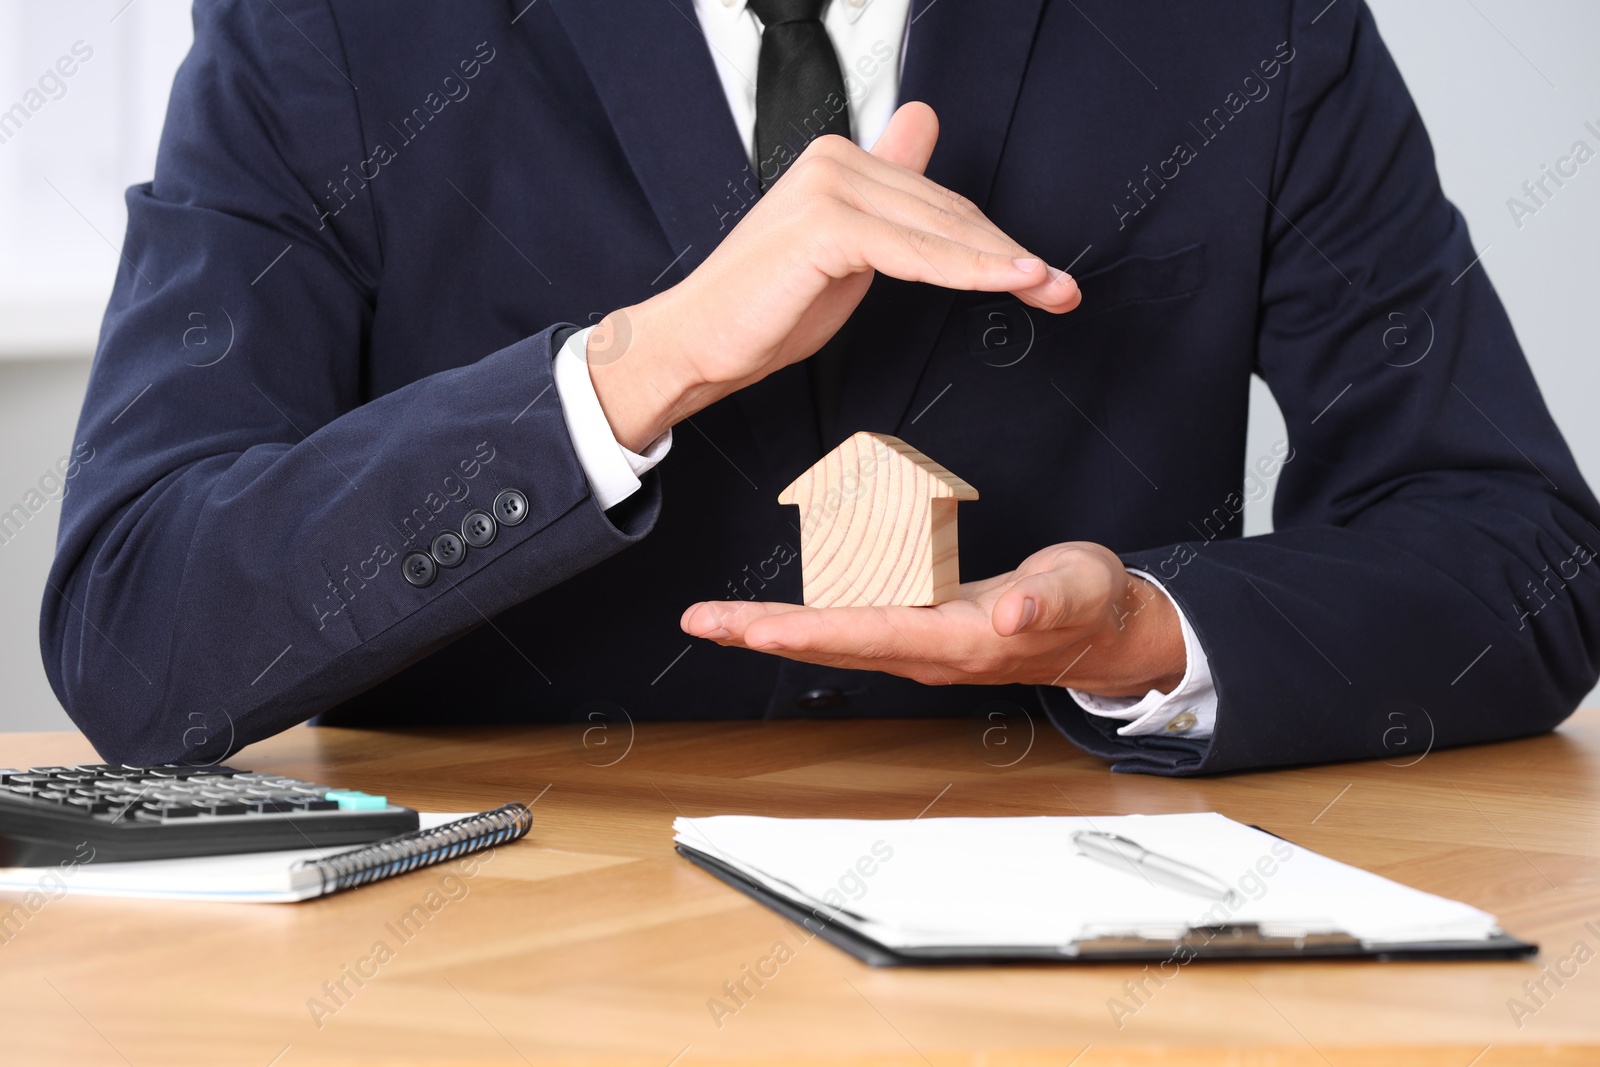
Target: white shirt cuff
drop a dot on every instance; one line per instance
(1190, 710)
(613, 471)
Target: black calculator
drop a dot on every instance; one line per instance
(116, 812)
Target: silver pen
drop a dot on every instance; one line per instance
(1116, 851)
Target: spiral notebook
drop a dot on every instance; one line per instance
(279, 877)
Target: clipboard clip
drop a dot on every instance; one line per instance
(1227, 939)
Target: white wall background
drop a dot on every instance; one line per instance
(62, 174)
(1504, 87)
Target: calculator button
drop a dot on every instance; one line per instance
(167, 811)
(220, 808)
(354, 800)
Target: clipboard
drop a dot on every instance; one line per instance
(1240, 941)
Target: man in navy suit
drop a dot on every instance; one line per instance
(459, 352)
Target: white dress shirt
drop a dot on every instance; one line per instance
(870, 37)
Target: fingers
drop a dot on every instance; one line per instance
(1078, 584)
(860, 632)
(909, 138)
(945, 640)
(959, 221)
(922, 255)
(1058, 293)
(1037, 602)
(725, 620)
(876, 173)
(876, 188)
(910, 208)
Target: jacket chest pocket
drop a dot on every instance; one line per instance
(1001, 333)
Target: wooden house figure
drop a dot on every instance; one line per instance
(877, 525)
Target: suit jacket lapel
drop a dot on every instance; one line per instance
(653, 71)
(966, 61)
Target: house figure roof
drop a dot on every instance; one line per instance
(877, 525)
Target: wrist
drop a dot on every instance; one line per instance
(644, 384)
(1145, 642)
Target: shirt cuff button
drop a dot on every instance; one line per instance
(1182, 722)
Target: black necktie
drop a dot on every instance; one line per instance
(799, 86)
(800, 95)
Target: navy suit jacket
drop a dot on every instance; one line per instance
(332, 331)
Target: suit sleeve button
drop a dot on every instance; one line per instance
(510, 507)
(419, 569)
(448, 549)
(479, 528)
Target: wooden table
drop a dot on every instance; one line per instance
(591, 942)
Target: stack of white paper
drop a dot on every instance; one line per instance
(1019, 882)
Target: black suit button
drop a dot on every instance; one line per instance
(510, 507)
(449, 549)
(479, 528)
(818, 699)
(419, 568)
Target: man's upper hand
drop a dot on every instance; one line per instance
(790, 273)
(1070, 615)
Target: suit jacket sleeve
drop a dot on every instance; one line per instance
(1431, 580)
(229, 556)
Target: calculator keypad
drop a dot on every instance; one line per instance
(174, 792)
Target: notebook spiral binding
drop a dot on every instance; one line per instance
(422, 848)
